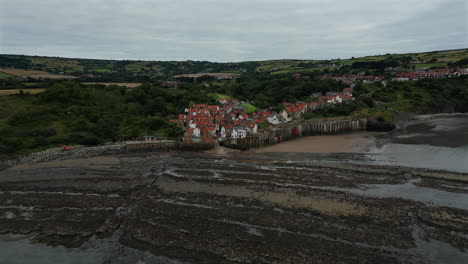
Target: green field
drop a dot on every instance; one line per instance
(250, 108)
(56, 64)
(137, 66)
(218, 96)
(5, 75)
(288, 70)
(16, 91)
(101, 70)
(429, 65)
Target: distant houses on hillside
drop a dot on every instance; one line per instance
(436, 73)
(349, 79)
(218, 76)
(402, 76)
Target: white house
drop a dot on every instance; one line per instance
(255, 129)
(338, 99)
(238, 132)
(223, 133)
(192, 125)
(284, 114)
(273, 119)
(196, 132)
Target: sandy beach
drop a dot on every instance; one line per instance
(352, 142)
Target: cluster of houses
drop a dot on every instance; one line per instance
(205, 123)
(402, 76)
(349, 79)
(299, 75)
(436, 73)
(218, 76)
(170, 84)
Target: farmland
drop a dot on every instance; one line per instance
(16, 91)
(21, 72)
(128, 85)
(137, 71)
(5, 75)
(58, 64)
(35, 74)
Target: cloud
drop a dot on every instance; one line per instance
(221, 30)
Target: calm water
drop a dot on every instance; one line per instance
(20, 250)
(422, 156)
(438, 143)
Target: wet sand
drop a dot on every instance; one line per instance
(352, 142)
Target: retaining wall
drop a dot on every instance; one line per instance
(304, 128)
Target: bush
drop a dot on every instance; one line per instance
(40, 142)
(90, 140)
(45, 132)
(174, 131)
(84, 138)
(155, 122)
(9, 145)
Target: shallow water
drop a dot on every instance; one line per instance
(412, 192)
(20, 250)
(434, 143)
(421, 156)
(435, 251)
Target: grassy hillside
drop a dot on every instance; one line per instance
(170, 68)
(423, 96)
(5, 75)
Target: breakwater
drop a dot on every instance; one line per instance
(322, 126)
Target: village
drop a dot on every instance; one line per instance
(446, 72)
(230, 120)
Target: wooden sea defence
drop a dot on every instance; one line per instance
(304, 128)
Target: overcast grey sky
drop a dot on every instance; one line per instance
(227, 30)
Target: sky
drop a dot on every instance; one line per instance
(226, 30)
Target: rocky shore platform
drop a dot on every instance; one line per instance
(202, 208)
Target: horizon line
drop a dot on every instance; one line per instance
(260, 60)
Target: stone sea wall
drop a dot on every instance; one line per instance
(304, 128)
(54, 154)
